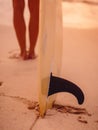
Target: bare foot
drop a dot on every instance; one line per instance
(24, 56)
(32, 56)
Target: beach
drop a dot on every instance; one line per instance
(18, 78)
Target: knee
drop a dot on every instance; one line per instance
(33, 6)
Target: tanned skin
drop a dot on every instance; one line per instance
(20, 26)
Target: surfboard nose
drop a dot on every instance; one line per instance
(62, 85)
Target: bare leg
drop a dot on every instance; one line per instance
(33, 26)
(19, 25)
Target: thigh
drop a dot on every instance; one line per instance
(18, 4)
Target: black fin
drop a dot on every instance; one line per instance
(61, 85)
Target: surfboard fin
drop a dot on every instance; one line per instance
(62, 85)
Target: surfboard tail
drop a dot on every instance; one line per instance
(62, 85)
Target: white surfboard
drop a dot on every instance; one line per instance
(50, 49)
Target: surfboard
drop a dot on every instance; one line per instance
(50, 49)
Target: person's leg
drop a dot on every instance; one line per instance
(19, 25)
(33, 26)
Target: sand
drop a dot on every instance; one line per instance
(18, 79)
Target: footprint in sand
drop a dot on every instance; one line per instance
(14, 54)
(96, 121)
(82, 120)
(1, 83)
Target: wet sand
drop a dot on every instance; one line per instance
(18, 81)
